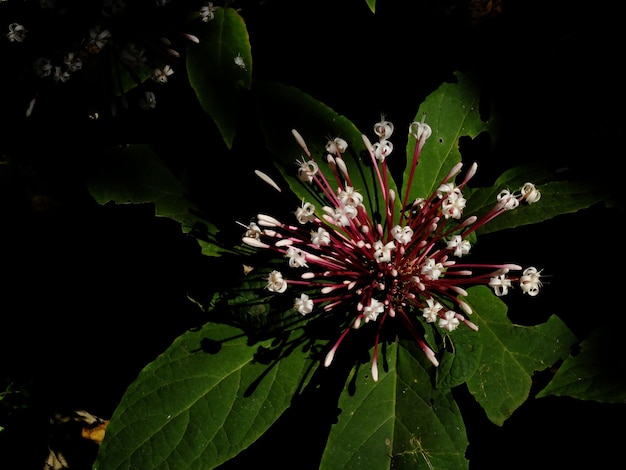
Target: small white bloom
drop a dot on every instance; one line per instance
(453, 205)
(239, 62)
(160, 75)
(342, 215)
(530, 282)
(17, 32)
(253, 231)
(507, 200)
(305, 213)
(307, 170)
(500, 284)
(420, 130)
(371, 312)
(450, 322)
(276, 283)
(382, 149)
(207, 12)
(98, 38)
(458, 246)
(531, 193)
(431, 313)
(349, 197)
(403, 234)
(72, 62)
(382, 253)
(447, 190)
(297, 257)
(321, 237)
(304, 304)
(383, 129)
(431, 269)
(336, 146)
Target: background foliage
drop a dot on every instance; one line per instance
(95, 290)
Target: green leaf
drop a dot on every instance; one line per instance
(511, 354)
(135, 174)
(557, 197)
(400, 422)
(219, 66)
(372, 5)
(461, 359)
(200, 403)
(452, 111)
(597, 372)
(282, 108)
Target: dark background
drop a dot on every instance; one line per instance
(90, 293)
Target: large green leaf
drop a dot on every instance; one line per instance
(282, 108)
(557, 197)
(452, 111)
(460, 360)
(200, 403)
(597, 372)
(219, 66)
(511, 354)
(401, 421)
(135, 174)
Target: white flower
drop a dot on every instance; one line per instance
(17, 32)
(297, 257)
(420, 130)
(98, 38)
(371, 312)
(530, 193)
(403, 234)
(304, 304)
(431, 312)
(207, 12)
(276, 283)
(432, 269)
(382, 149)
(500, 284)
(307, 170)
(453, 205)
(253, 231)
(342, 215)
(160, 75)
(458, 246)
(449, 322)
(72, 62)
(507, 200)
(529, 282)
(383, 129)
(382, 253)
(305, 213)
(336, 146)
(239, 62)
(321, 237)
(349, 197)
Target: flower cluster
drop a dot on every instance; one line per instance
(407, 266)
(125, 45)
